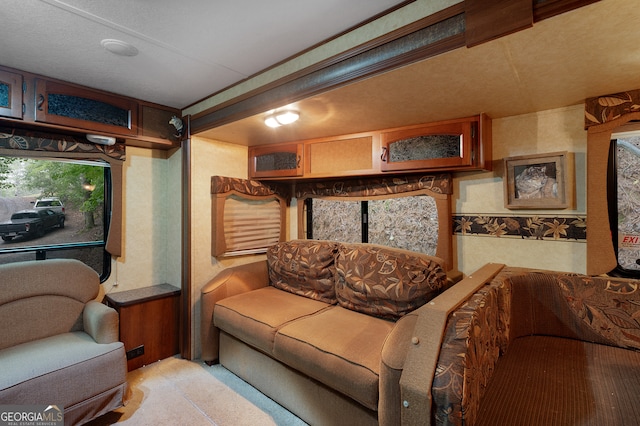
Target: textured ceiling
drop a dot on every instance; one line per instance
(558, 62)
(187, 49)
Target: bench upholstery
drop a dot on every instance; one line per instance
(534, 347)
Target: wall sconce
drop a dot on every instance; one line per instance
(281, 118)
(88, 186)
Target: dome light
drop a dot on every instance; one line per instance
(281, 118)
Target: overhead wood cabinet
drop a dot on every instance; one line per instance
(459, 144)
(42, 103)
(11, 94)
(449, 145)
(69, 105)
(276, 160)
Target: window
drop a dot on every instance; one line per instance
(624, 201)
(409, 223)
(53, 208)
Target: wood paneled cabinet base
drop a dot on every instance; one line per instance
(149, 321)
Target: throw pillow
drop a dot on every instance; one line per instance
(386, 282)
(304, 267)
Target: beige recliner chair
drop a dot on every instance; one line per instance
(58, 345)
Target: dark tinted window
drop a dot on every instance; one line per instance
(624, 202)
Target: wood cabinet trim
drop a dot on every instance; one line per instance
(476, 150)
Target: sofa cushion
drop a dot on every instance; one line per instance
(304, 267)
(255, 316)
(384, 281)
(337, 347)
(71, 366)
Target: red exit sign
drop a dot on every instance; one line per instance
(629, 241)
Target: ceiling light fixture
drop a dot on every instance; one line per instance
(281, 118)
(119, 47)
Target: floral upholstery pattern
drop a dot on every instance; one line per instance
(304, 267)
(476, 335)
(385, 282)
(611, 307)
(478, 332)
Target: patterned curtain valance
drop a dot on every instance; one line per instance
(440, 184)
(222, 184)
(73, 146)
(602, 109)
(364, 187)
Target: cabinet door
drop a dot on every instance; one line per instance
(71, 106)
(444, 146)
(353, 155)
(155, 123)
(10, 94)
(276, 161)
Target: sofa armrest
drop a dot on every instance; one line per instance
(420, 365)
(101, 322)
(229, 282)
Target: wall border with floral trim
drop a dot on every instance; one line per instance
(535, 227)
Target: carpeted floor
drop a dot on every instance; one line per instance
(175, 391)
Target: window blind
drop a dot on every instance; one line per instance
(250, 225)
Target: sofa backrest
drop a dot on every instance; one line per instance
(373, 279)
(603, 310)
(42, 298)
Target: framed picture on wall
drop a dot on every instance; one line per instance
(540, 181)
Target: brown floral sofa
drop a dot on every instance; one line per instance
(531, 347)
(321, 327)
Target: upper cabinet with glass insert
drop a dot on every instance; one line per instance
(68, 105)
(11, 90)
(447, 145)
(276, 161)
(460, 144)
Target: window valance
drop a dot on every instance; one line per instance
(603, 109)
(31, 140)
(368, 187)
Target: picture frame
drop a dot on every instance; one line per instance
(540, 181)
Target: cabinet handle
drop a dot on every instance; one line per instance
(40, 101)
(383, 156)
(298, 162)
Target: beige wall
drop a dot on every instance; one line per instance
(152, 226)
(483, 193)
(209, 158)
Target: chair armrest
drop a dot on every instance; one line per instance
(229, 282)
(420, 365)
(101, 322)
